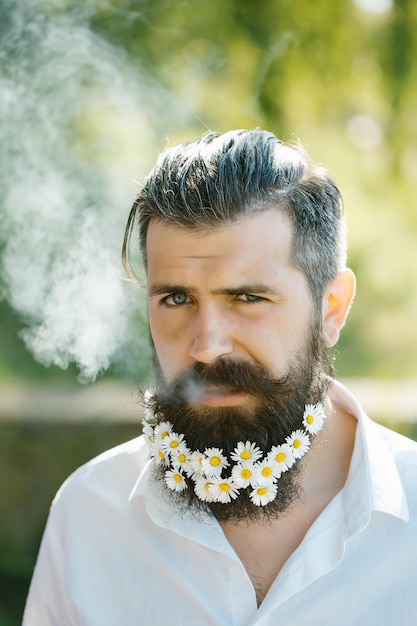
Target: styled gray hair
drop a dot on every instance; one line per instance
(221, 178)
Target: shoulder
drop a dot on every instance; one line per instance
(403, 452)
(403, 449)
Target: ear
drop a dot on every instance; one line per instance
(337, 301)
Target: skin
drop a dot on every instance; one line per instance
(234, 292)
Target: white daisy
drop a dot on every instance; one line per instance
(175, 480)
(313, 418)
(214, 462)
(162, 430)
(283, 456)
(244, 474)
(158, 453)
(300, 443)
(172, 442)
(202, 489)
(181, 459)
(266, 472)
(262, 495)
(196, 464)
(223, 490)
(147, 431)
(246, 452)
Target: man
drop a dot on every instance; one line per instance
(260, 492)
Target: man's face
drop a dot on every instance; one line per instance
(228, 293)
(237, 343)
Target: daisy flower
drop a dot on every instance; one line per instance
(181, 459)
(214, 462)
(172, 441)
(300, 443)
(202, 489)
(223, 490)
(147, 431)
(313, 418)
(175, 480)
(262, 495)
(246, 452)
(158, 454)
(244, 474)
(162, 430)
(283, 456)
(266, 472)
(196, 464)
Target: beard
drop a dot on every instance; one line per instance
(276, 410)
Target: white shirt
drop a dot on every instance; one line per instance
(115, 554)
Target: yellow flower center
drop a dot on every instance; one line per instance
(164, 434)
(310, 419)
(296, 443)
(215, 461)
(182, 458)
(161, 454)
(266, 471)
(177, 478)
(281, 457)
(174, 444)
(224, 487)
(246, 474)
(262, 491)
(245, 455)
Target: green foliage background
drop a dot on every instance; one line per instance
(340, 78)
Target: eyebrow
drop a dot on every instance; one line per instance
(160, 289)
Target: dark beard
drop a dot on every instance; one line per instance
(278, 411)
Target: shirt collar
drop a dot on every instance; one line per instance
(373, 483)
(204, 529)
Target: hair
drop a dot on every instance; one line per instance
(222, 178)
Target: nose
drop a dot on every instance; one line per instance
(212, 337)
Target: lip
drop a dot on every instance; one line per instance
(222, 397)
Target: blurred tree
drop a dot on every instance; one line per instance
(341, 76)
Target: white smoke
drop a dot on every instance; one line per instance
(76, 130)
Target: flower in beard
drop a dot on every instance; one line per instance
(299, 442)
(313, 418)
(175, 480)
(283, 456)
(214, 462)
(244, 474)
(181, 459)
(173, 442)
(162, 430)
(196, 464)
(267, 472)
(202, 489)
(159, 455)
(260, 496)
(223, 490)
(246, 452)
(148, 432)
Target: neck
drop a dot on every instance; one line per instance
(264, 546)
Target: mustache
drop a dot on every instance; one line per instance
(236, 375)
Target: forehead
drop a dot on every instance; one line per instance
(256, 246)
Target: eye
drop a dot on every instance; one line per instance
(176, 299)
(249, 297)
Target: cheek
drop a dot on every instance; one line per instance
(170, 348)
